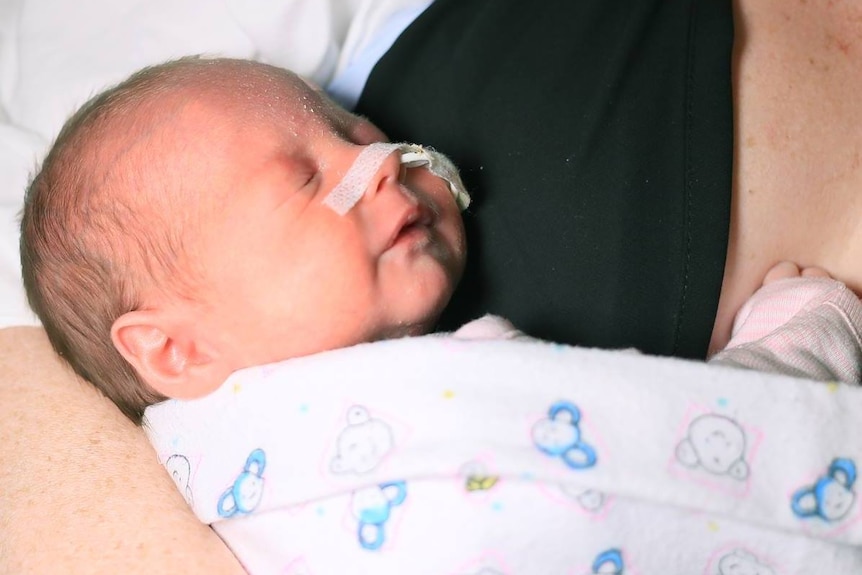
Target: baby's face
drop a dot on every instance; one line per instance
(283, 275)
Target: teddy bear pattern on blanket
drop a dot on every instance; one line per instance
(437, 455)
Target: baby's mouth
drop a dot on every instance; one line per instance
(414, 224)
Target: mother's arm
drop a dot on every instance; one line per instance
(81, 490)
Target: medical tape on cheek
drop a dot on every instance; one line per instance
(361, 174)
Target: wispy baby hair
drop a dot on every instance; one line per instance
(87, 252)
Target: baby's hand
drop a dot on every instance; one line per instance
(787, 270)
(801, 322)
(789, 291)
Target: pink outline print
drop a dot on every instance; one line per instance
(487, 563)
(298, 566)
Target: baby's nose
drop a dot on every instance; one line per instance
(376, 165)
(390, 173)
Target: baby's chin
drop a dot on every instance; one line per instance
(412, 298)
(406, 329)
(417, 322)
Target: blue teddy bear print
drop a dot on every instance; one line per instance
(608, 562)
(246, 492)
(372, 506)
(831, 497)
(560, 436)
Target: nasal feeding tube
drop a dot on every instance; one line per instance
(359, 177)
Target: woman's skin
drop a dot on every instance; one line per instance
(798, 164)
(83, 492)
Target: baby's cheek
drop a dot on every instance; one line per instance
(452, 227)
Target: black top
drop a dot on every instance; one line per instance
(595, 137)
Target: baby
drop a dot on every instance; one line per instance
(199, 218)
(208, 216)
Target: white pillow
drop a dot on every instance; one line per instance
(18, 152)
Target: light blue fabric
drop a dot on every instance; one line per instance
(346, 86)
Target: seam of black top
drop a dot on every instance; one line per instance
(689, 171)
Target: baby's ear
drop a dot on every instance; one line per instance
(169, 356)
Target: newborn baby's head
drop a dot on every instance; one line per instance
(177, 231)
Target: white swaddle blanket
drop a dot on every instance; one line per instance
(434, 455)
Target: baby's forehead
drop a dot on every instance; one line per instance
(264, 107)
(252, 88)
(206, 125)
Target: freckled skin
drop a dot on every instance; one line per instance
(798, 164)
